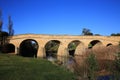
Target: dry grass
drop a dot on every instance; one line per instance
(105, 57)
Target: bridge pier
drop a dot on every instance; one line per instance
(62, 51)
(16, 50)
(80, 50)
(40, 52)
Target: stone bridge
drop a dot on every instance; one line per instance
(64, 40)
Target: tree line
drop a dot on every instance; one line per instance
(5, 34)
(86, 31)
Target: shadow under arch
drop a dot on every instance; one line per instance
(51, 49)
(8, 48)
(72, 47)
(109, 44)
(94, 43)
(28, 48)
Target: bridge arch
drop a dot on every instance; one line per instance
(28, 48)
(94, 43)
(11, 48)
(51, 49)
(8, 48)
(109, 44)
(72, 47)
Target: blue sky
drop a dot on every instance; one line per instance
(62, 16)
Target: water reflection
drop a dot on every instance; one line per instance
(66, 60)
(70, 60)
(50, 58)
(107, 77)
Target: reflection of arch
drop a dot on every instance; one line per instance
(8, 48)
(28, 48)
(51, 48)
(110, 44)
(72, 47)
(94, 43)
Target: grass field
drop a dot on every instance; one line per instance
(14, 67)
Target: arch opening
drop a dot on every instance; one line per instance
(110, 44)
(28, 48)
(72, 47)
(93, 43)
(51, 49)
(8, 48)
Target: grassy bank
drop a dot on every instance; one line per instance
(14, 67)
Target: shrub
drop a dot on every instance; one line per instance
(116, 70)
(92, 66)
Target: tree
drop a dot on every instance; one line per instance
(97, 34)
(86, 31)
(115, 34)
(3, 37)
(1, 22)
(72, 46)
(4, 34)
(10, 26)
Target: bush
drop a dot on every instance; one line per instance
(116, 70)
(92, 66)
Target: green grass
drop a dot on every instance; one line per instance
(14, 67)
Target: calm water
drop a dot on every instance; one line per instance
(108, 77)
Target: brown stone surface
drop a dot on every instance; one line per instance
(64, 41)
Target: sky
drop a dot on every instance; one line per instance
(62, 17)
